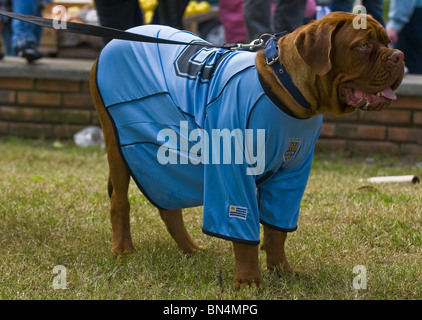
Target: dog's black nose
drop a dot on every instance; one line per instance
(396, 57)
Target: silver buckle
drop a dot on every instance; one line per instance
(273, 60)
(257, 43)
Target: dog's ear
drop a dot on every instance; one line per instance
(314, 46)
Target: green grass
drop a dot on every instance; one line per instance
(54, 211)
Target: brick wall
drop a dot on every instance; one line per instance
(397, 130)
(47, 106)
(34, 108)
(51, 99)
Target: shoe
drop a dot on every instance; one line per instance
(1, 55)
(29, 52)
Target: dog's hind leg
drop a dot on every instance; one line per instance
(119, 178)
(109, 186)
(173, 220)
(119, 204)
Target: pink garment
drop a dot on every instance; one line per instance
(310, 8)
(231, 17)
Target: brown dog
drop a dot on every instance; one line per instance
(337, 69)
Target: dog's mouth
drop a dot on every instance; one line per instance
(356, 98)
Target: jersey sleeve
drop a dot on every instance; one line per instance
(230, 204)
(280, 196)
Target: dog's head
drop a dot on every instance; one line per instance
(354, 64)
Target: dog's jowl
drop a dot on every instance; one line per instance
(232, 131)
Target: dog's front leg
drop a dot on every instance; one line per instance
(247, 268)
(274, 247)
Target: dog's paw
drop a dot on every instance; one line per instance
(123, 248)
(247, 280)
(192, 248)
(286, 269)
(254, 284)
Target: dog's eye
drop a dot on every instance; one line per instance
(363, 47)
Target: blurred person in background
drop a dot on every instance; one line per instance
(21, 38)
(119, 14)
(126, 14)
(231, 17)
(405, 31)
(5, 5)
(170, 13)
(373, 7)
(288, 15)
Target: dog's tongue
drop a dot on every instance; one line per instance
(389, 94)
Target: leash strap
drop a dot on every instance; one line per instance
(100, 31)
(271, 54)
(271, 48)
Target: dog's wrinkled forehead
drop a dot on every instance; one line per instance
(357, 28)
(334, 35)
(377, 31)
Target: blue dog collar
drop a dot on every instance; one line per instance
(271, 54)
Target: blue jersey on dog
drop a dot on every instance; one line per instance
(196, 126)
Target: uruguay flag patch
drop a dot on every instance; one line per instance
(238, 212)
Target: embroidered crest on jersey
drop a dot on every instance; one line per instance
(238, 212)
(292, 148)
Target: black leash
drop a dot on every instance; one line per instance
(106, 32)
(271, 49)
